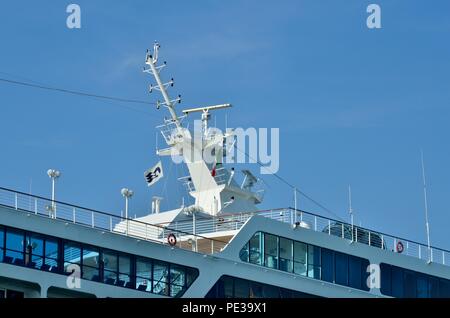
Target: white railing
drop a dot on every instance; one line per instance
(56, 210)
(322, 224)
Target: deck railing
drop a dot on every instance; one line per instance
(26, 203)
(315, 222)
(184, 230)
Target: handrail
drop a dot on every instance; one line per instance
(94, 212)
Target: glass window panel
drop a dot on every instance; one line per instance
(433, 287)
(144, 268)
(14, 244)
(72, 253)
(256, 290)
(110, 261)
(160, 278)
(177, 275)
(314, 261)
(385, 279)
(327, 265)
(51, 248)
(244, 254)
(271, 291)
(422, 286)
(270, 251)
(124, 264)
(300, 256)
(255, 253)
(141, 281)
(91, 256)
(90, 272)
(341, 268)
(444, 288)
(397, 281)
(176, 290)
(226, 287)
(241, 288)
(191, 275)
(34, 246)
(286, 255)
(354, 272)
(2, 238)
(410, 284)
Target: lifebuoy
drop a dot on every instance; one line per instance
(171, 239)
(400, 247)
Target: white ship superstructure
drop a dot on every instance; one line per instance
(223, 245)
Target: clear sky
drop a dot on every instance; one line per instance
(354, 105)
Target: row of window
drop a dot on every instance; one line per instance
(307, 260)
(96, 264)
(9, 293)
(232, 287)
(399, 282)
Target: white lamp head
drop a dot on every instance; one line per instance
(52, 173)
(126, 192)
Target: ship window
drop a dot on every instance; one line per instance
(422, 286)
(90, 263)
(2, 243)
(433, 287)
(341, 269)
(241, 288)
(34, 251)
(14, 244)
(410, 284)
(72, 255)
(300, 255)
(144, 274)
(314, 261)
(354, 272)
(51, 252)
(255, 249)
(444, 288)
(364, 274)
(109, 266)
(124, 269)
(177, 280)
(327, 265)
(243, 254)
(397, 282)
(285, 255)
(385, 279)
(270, 251)
(160, 278)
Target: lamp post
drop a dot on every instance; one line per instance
(127, 194)
(53, 174)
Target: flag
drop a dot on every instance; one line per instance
(152, 175)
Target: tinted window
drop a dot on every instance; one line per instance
(285, 255)
(409, 290)
(385, 279)
(354, 272)
(314, 261)
(255, 249)
(160, 278)
(397, 282)
(327, 265)
(444, 288)
(270, 251)
(15, 244)
(422, 286)
(341, 268)
(300, 255)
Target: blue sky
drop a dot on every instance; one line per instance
(354, 106)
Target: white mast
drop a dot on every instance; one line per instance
(426, 207)
(350, 209)
(151, 60)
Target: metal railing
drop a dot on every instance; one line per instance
(56, 210)
(322, 224)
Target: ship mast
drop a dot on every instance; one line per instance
(152, 60)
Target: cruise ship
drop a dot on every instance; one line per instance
(222, 246)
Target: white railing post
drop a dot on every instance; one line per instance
(382, 242)
(35, 206)
(110, 223)
(15, 200)
(329, 227)
(443, 258)
(356, 234)
(407, 247)
(212, 246)
(370, 241)
(420, 251)
(92, 218)
(342, 228)
(395, 245)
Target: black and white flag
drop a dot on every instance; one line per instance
(152, 175)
